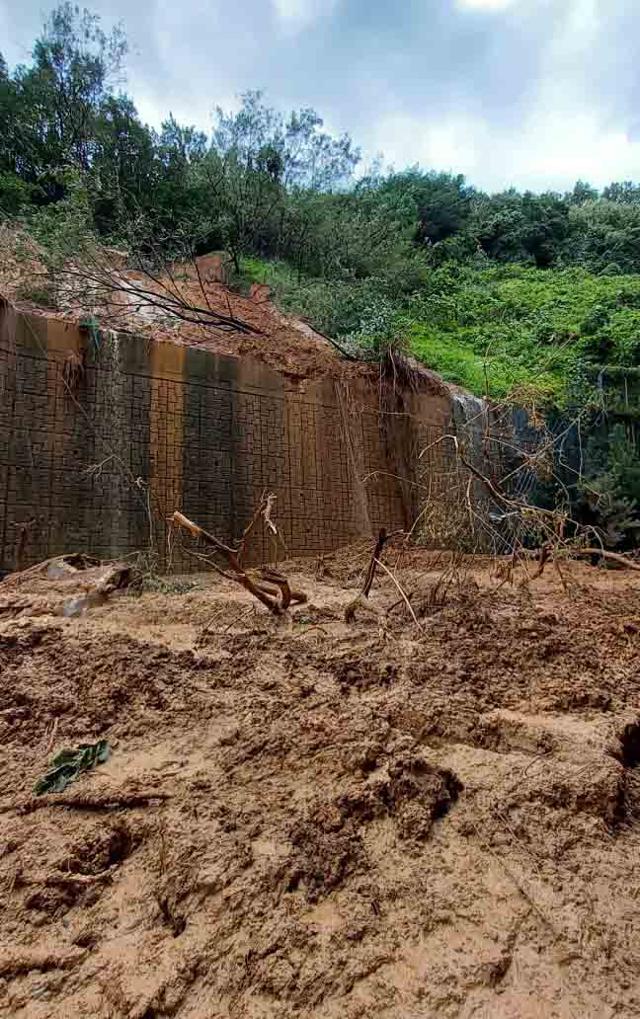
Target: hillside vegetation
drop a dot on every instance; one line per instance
(532, 298)
(497, 329)
(501, 293)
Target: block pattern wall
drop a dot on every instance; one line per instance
(95, 460)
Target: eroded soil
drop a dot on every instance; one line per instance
(439, 819)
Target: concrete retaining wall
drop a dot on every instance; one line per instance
(145, 428)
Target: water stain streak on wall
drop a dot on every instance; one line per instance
(145, 428)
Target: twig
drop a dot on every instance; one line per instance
(402, 595)
(52, 735)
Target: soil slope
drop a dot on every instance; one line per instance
(361, 821)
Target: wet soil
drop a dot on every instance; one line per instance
(431, 819)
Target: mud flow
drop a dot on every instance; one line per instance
(435, 816)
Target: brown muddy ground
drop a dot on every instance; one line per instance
(362, 822)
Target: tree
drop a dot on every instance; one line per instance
(293, 152)
(605, 236)
(514, 227)
(626, 193)
(49, 111)
(123, 174)
(14, 193)
(582, 192)
(256, 163)
(75, 62)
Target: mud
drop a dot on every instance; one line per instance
(363, 821)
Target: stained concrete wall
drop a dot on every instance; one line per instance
(93, 463)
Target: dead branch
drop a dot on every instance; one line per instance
(282, 584)
(198, 532)
(13, 964)
(545, 555)
(269, 503)
(276, 600)
(264, 509)
(277, 541)
(374, 561)
(362, 598)
(75, 561)
(231, 555)
(106, 801)
(257, 513)
(65, 880)
(614, 557)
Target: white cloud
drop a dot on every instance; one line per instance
(485, 5)
(296, 15)
(551, 150)
(565, 133)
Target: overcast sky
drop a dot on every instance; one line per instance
(534, 93)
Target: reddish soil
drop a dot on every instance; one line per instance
(289, 346)
(432, 820)
(293, 348)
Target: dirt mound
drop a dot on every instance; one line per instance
(301, 817)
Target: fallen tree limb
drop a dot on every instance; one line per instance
(276, 595)
(54, 568)
(231, 555)
(614, 557)
(13, 964)
(106, 801)
(65, 880)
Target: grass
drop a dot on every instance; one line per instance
(491, 373)
(494, 329)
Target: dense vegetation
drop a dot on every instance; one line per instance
(532, 296)
(493, 290)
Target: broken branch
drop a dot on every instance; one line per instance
(603, 553)
(107, 801)
(278, 600)
(65, 880)
(361, 599)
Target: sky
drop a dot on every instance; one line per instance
(531, 93)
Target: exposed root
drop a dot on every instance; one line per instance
(276, 601)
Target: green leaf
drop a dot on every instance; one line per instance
(69, 763)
